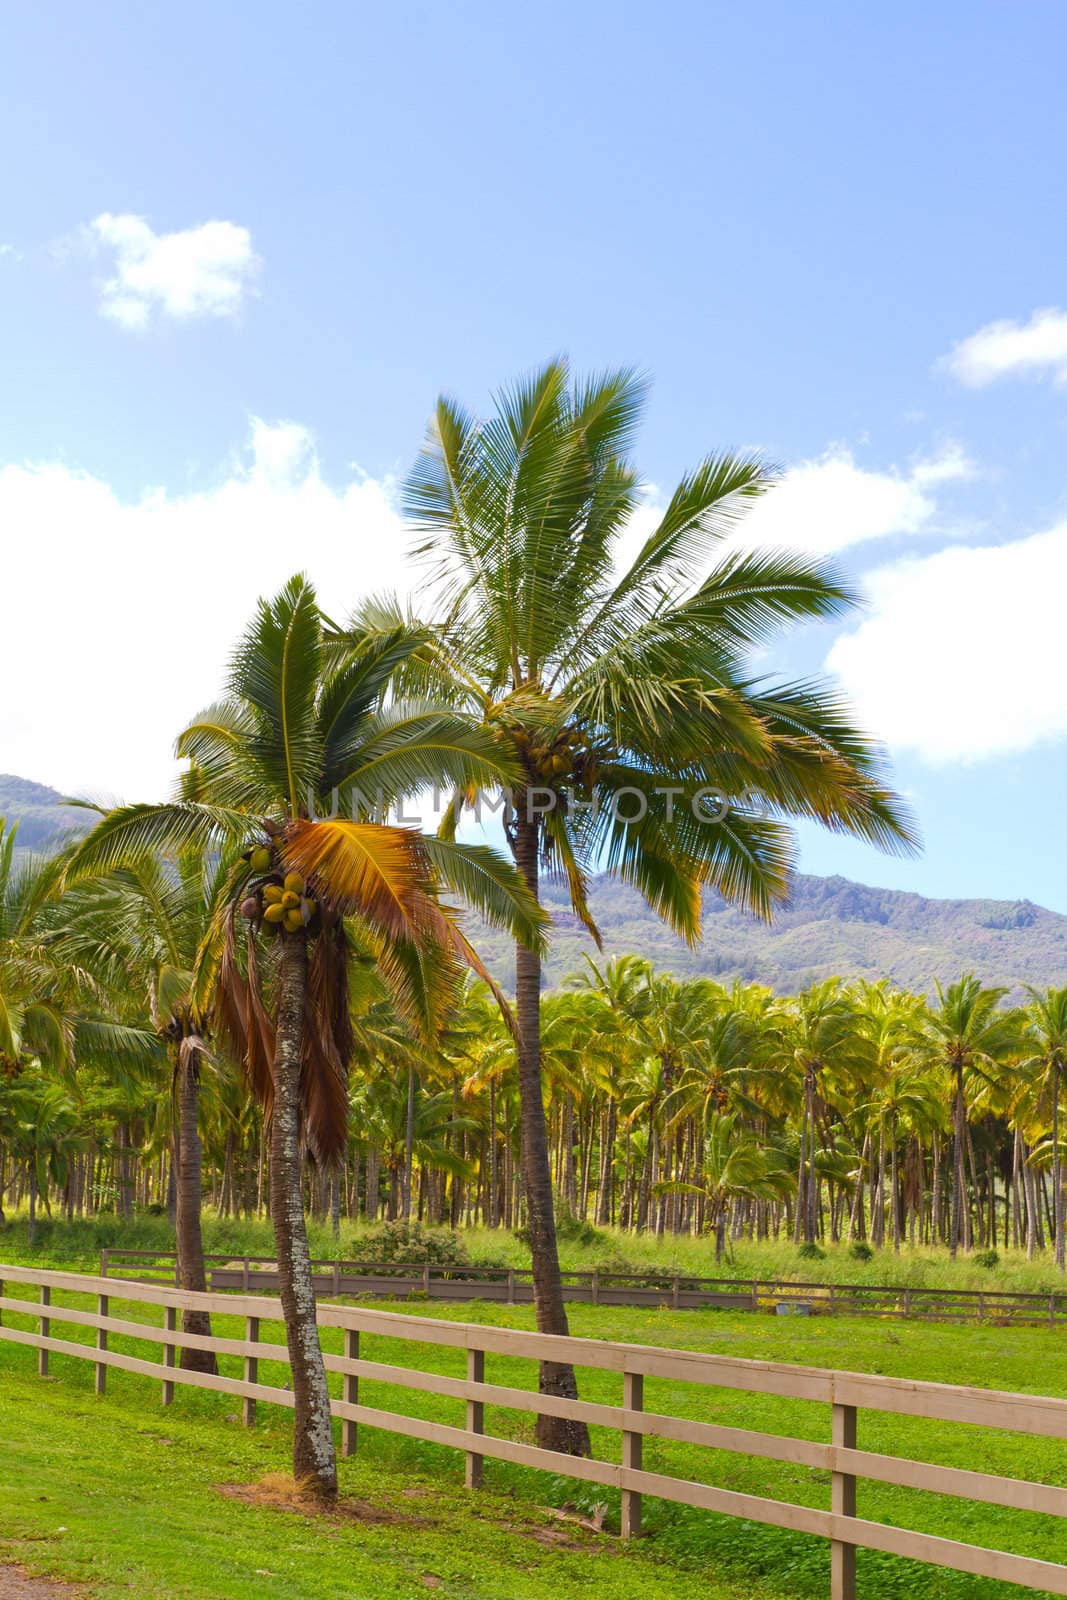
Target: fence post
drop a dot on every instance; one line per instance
(426, 1279)
(42, 1355)
(244, 1274)
(101, 1344)
(594, 1286)
(336, 1279)
(676, 1292)
(2, 1309)
(170, 1322)
(475, 1418)
(511, 1286)
(843, 1503)
(633, 1399)
(251, 1370)
(351, 1393)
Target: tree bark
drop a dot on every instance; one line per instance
(190, 1241)
(556, 1378)
(314, 1453)
(1057, 1174)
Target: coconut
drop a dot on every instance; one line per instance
(294, 883)
(290, 900)
(260, 859)
(274, 913)
(293, 921)
(250, 908)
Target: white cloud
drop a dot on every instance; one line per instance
(204, 271)
(1012, 349)
(826, 504)
(961, 657)
(127, 612)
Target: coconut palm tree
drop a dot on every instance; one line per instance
(971, 1036)
(144, 926)
(622, 688)
(278, 768)
(1045, 1034)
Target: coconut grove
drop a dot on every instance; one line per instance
(248, 1018)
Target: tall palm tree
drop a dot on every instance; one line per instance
(1045, 1033)
(629, 688)
(971, 1036)
(276, 767)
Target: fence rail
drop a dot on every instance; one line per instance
(847, 1393)
(514, 1286)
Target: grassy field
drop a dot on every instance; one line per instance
(78, 1245)
(136, 1491)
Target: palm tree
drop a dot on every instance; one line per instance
(144, 925)
(1045, 1030)
(276, 767)
(626, 700)
(970, 1036)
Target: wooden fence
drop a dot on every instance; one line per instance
(514, 1286)
(846, 1393)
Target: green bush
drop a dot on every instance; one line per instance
(811, 1252)
(409, 1243)
(859, 1251)
(988, 1259)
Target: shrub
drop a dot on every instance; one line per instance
(410, 1242)
(860, 1251)
(988, 1259)
(811, 1252)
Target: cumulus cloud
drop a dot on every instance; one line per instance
(960, 657)
(1012, 349)
(128, 609)
(831, 502)
(206, 271)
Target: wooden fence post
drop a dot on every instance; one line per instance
(511, 1286)
(475, 1418)
(251, 1370)
(170, 1322)
(349, 1428)
(42, 1355)
(843, 1502)
(633, 1399)
(101, 1344)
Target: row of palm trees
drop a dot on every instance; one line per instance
(673, 1107)
(241, 916)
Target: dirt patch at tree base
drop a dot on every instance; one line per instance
(278, 1492)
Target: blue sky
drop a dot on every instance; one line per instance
(243, 247)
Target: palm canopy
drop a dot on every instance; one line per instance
(626, 681)
(304, 736)
(54, 1010)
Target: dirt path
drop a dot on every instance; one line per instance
(18, 1585)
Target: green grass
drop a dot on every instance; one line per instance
(135, 1487)
(78, 1245)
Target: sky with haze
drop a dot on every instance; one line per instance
(243, 247)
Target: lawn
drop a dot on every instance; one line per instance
(136, 1489)
(78, 1244)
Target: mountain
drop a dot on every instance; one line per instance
(38, 810)
(830, 926)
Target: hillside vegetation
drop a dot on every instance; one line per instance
(831, 927)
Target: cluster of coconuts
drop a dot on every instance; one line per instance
(278, 903)
(549, 760)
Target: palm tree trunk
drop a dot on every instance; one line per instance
(190, 1241)
(1057, 1175)
(314, 1454)
(553, 1433)
(956, 1226)
(409, 1146)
